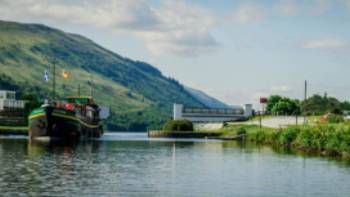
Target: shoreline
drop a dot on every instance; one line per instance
(331, 140)
(181, 134)
(13, 130)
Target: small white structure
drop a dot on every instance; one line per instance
(248, 110)
(104, 112)
(177, 110)
(8, 100)
(211, 115)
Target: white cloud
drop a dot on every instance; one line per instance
(288, 7)
(321, 6)
(282, 88)
(175, 27)
(256, 12)
(249, 13)
(186, 33)
(310, 7)
(328, 43)
(347, 3)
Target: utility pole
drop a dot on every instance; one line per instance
(305, 93)
(305, 98)
(260, 120)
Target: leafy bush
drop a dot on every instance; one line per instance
(261, 135)
(282, 105)
(178, 125)
(32, 102)
(319, 105)
(288, 135)
(332, 139)
(333, 118)
(241, 131)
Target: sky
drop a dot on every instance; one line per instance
(234, 50)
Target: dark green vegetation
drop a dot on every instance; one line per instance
(315, 105)
(278, 105)
(139, 95)
(326, 139)
(33, 102)
(13, 130)
(319, 105)
(335, 118)
(178, 125)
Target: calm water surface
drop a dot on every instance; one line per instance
(132, 165)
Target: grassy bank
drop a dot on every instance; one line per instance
(326, 139)
(13, 130)
(183, 134)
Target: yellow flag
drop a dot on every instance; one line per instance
(65, 74)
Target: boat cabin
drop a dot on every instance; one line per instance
(85, 105)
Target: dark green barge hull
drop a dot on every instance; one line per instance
(61, 124)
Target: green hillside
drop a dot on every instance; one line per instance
(138, 94)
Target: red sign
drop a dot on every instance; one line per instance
(263, 100)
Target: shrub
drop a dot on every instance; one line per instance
(241, 131)
(261, 135)
(178, 125)
(305, 137)
(288, 135)
(333, 118)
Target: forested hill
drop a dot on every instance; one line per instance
(207, 100)
(138, 94)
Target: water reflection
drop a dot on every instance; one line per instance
(127, 165)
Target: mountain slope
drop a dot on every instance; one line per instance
(138, 94)
(207, 100)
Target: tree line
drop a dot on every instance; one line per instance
(314, 105)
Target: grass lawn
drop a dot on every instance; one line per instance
(314, 119)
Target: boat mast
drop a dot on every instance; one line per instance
(79, 89)
(54, 79)
(91, 84)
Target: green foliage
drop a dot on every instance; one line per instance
(334, 118)
(345, 105)
(315, 105)
(32, 102)
(254, 133)
(333, 139)
(288, 135)
(319, 105)
(271, 102)
(178, 125)
(282, 105)
(241, 131)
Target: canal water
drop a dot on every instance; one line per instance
(125, 164)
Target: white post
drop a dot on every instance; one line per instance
(177, 111)
(248, 110)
